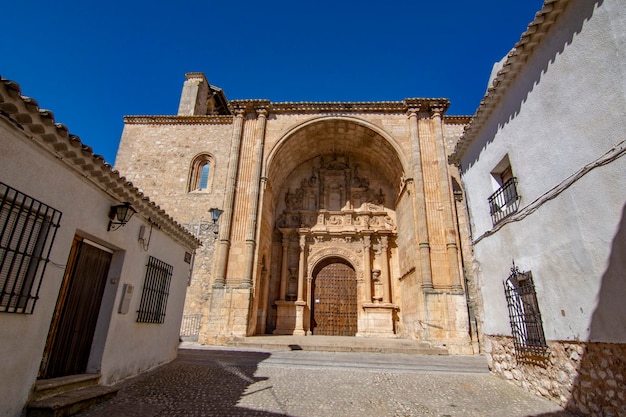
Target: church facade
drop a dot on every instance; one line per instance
(336, 218)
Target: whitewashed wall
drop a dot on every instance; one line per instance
(565, 109)
(122, 347)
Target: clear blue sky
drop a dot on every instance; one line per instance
(91, 63)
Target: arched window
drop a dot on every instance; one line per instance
(201, 173)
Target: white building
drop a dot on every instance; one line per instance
(543, 167)
(77, 300)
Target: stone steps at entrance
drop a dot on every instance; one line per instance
(65, 396)
(338, 344)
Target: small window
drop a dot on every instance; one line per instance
(200, 174)
(204, 176)
(524, 314)
(27, 231)
(156, 289)
(505, 200)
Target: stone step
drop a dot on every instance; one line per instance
(45, 388)
(338, 344)
(70, 402)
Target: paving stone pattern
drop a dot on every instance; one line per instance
(219, 382)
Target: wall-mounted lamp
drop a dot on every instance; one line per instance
(215, 214)
(120, 215)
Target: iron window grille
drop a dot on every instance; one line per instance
(504, 202)
(27, 231)
(190, 325)
(524, 314)
(156, 289)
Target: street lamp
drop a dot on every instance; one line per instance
(121, 212)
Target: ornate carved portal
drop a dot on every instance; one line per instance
(335, 214)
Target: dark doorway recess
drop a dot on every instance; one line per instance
(74, 323)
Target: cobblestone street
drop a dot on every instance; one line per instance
(220, 382)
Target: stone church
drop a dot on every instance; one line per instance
(337, 218)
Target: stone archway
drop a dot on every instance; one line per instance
(332, 188)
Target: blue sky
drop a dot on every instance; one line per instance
(91, 63)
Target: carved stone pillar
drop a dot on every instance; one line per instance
(384, 261)
(254, 197)
(264, 302)
(367, 267)
(309, 303)
(301, 267)
(420, 203)
(229, 198)
(447, 200)
(283, 269)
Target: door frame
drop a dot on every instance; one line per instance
(311, 290)
(62, 299)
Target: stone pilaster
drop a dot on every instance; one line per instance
(367, 267)
(254, 198)
(447, 200)
(419, 203)
(229, 198)
(283, 267)
(384, 268)
(301, 267)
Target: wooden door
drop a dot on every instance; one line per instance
(72, 331)
(334, 307)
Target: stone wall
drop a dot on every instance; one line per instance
(583, 377)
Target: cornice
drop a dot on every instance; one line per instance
(512, 66)
(457, 120)
(304, 107)
(39, 126)
(178, 120)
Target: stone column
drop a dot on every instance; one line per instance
(265, 293)
(283, 268)
(254, 197)
(420, 203)
(367, 267)
(229, 198)
(309, 303)
(384, 269)
(446, 199)
(301, 267)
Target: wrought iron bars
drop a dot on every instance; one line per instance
(524, 314)
(27, 230)
(504, 202)
(156, 289)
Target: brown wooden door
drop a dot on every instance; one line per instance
(79, 302)
(334, 308)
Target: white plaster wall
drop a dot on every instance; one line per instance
(85, 212)
(132, 347)
(565, 109)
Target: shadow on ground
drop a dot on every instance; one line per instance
(195, 384)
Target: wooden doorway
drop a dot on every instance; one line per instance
(74, 322)
(334, 304)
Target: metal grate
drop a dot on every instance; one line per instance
(524, 314)
(27, 230)
(190, 325)
(504, 202)
(156, 288)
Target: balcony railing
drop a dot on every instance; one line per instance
(504, 202)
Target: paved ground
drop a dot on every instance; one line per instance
(243, 382)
